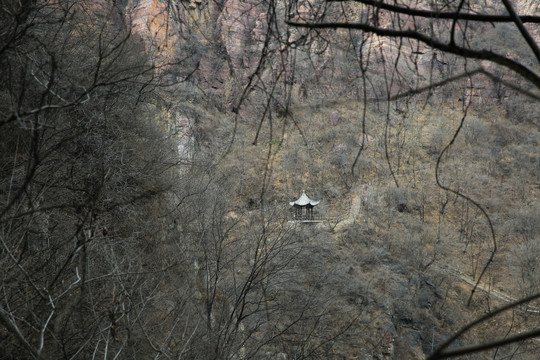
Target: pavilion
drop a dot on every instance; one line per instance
(303, 207)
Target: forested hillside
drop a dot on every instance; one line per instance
(150, 150)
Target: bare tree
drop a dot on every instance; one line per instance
(250, 278)
(82, 184)
(458, 44)
(442, 27)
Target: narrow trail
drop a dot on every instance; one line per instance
(487, 289)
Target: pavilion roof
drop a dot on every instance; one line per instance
(304, 200)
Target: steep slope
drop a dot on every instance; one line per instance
(303, 125)
(263, 111)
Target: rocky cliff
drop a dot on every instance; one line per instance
(225, 40)
(224, 37)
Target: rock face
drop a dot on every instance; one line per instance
(222, 36)
(223, 40)
(242, 27)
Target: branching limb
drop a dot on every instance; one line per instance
(489, 55)
(440, 353)
(519, 23)
(444, 15)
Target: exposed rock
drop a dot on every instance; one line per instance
(242, 27)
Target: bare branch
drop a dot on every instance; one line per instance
(489, 55)
(444, 15)
(441, 354)
(522, 30)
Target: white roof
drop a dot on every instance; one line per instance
(303, 200)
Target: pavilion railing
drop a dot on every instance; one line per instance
(317, 218)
